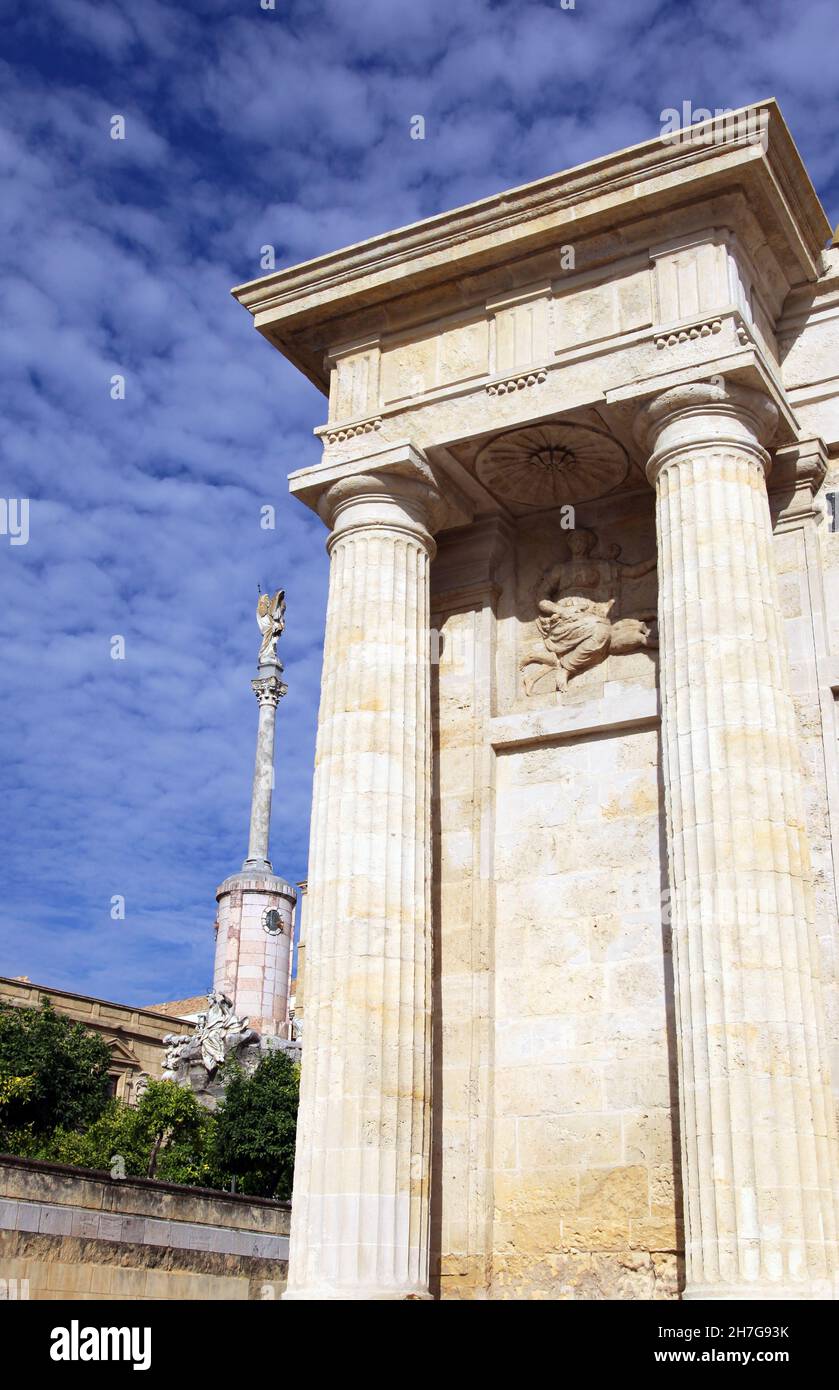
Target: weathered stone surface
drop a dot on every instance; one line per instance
(757, 1116)
(360, 1216)
(616, 1059)
(79, 1235)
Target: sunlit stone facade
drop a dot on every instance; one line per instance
(572, 916)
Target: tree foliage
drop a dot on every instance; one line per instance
(14, 1088)
(54, 1104)
(110, 1143)
(167, 1135)
(256, 1125)
(65, 1068)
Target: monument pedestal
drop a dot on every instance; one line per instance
(253, 965)
(197, 1060)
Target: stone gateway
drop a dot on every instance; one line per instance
(572, 897)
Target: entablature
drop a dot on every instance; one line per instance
(604, 212)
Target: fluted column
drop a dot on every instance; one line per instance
(757, 1123)
(361, 1183)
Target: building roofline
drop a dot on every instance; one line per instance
(704, 157)
(88, 998)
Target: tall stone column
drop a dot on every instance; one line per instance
(255, 917)
(757, 1123)
(269, 690)
(359, 1226)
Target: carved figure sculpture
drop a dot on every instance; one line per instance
(176, 1044)
(219, 1032)
(141, 1085)
(575, 615)
(270, 616)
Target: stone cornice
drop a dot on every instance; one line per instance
(125, 1017)
(748, 369)
(310, 483)
(248, 880)
(808, 303)
(440, 418)
(601, 195)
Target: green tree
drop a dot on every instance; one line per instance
(14, 1090)
(54, 1104)
(174, 1131)
(256, 1125)
(168, 1135)
(110, 1143)
(193, 1160)
(66, 1066)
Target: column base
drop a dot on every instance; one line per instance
(818, 1290)
(328, 1293)
(257, 866)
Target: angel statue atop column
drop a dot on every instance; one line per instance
(270, 615)
(575, 616)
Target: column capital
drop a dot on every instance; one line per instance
(712, 412)
(269, 690)
(393, 489)
(798, 473)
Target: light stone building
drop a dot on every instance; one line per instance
(134, 1034)
(571, 914)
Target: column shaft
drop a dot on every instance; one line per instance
(757, 1126)
(268, 691)
(360, 1206)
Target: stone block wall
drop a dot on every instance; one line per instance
(70, 1233)
(585, 1132)
(556, 1120)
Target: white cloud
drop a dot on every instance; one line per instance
(243, 127)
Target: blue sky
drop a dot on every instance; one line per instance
(244, 127)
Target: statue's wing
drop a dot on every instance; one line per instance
(278, 603)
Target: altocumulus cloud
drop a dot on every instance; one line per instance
(244, 127)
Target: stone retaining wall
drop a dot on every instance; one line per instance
(78, 1234)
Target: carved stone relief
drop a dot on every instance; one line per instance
(576, 621)
(219, 1032)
